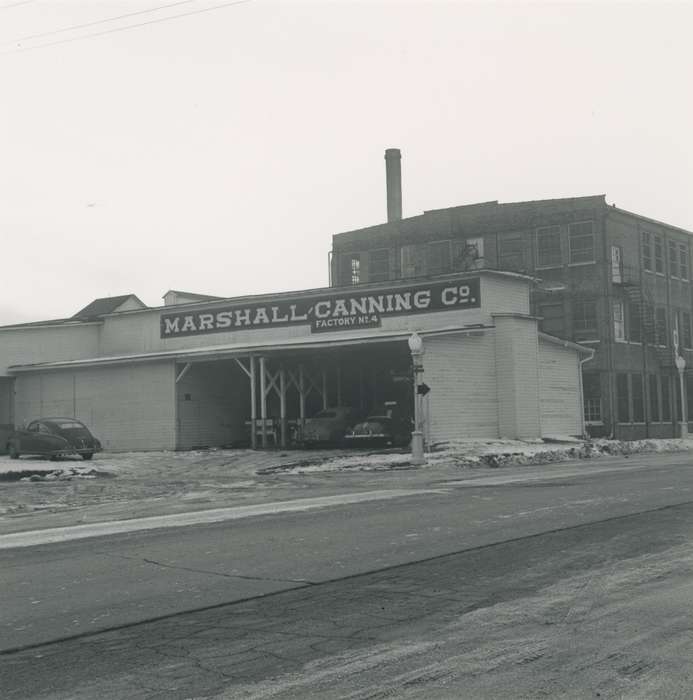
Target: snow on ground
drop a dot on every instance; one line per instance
(488, 453)
(115, 485)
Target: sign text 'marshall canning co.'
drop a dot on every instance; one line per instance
(332, 311)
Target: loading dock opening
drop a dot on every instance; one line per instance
(263, 400)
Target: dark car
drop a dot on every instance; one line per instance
(53, 437)
(327, 426)
(386, 427)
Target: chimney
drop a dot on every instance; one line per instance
(393, 179)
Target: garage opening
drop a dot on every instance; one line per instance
(267, 400)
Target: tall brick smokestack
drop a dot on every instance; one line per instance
(393, 179)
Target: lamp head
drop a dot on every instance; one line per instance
(415, 343)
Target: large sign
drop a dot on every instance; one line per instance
(332, 311)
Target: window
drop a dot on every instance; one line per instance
(379, 265)
(585, 319)
(649, 323)
(355, 268)
(619, 322)
(616, 264)
(468, 254)
(654, 399)
(664, 385)
(673, 259)
(646, 239)
(591, 389)
(581, 242)
(685, 337)
(638, 398)
(683, 261)
(660, 326)
(413, 260)
(622, 399)
(659, 254)
(439, 258)
(553, 318)
(511, 253)
(549, 247)
(634, 322)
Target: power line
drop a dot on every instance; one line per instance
(98, 21)
(129, 26)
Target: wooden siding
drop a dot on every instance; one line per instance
(559, 390)
(127, 408)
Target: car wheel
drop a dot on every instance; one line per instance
(12, 451)
(87, 455)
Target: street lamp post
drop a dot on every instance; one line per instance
(681, 366)
(417, 351)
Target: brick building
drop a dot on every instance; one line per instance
(609, 279)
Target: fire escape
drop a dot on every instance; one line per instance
(640, 297)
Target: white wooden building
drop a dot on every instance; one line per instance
(198, 371)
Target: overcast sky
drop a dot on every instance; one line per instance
(218, 152)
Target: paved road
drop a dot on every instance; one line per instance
(422, 594)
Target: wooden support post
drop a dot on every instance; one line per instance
(302, 399)
(253, 405)
(324, 388)
(282, 403)
(263, 403)
(375, 390)
(339, 383)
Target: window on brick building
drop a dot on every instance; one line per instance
(619, 321)
(581, 242)
(665, 386)
(634, 322)
(379, 265)
(637, 396)
(673, 259)
(654, 398)
(622, 398)
(689, 396)
(413, 260)
(661, 326)
(659, 254)
(649, 323)
(549, 247)
(646, 240)
(511, 253)
(468, 254)
(685, 335)
(585, 319)
(355, 268)
(439, 257)
(683, 261)
(592, 393)
(553, 318)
